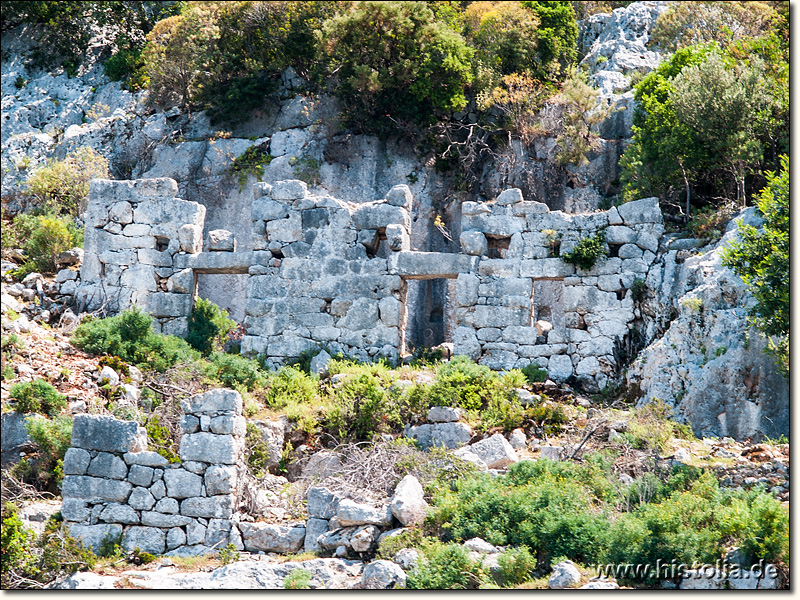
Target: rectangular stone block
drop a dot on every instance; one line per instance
(161, 304)
(217, 401)
(431, 265)
(213, 507)
(107, 434)
(95, 488)
(210, 448)
(540, 268)
(215, 262)
(494, 316)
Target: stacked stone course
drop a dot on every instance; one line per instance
(115, 488)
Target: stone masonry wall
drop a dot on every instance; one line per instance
(114, 487)
(524, 304)
(134, 232)
(321, 273)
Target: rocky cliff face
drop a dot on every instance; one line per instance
(709, 362)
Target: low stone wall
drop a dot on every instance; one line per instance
(524, 304)
(114, 487)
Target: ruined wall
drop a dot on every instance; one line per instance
(113, 487)
(321, 273)
(524, 304)
(134, 232)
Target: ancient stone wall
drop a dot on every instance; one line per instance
(524, 304)
(134, 232)
(327, 273)
(321, 273)
(114, 488)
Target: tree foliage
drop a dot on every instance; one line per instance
(396, 63)
(688, 23)
(761, 258)
(556, 39)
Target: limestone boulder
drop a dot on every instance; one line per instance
(408, 503)
(565, 575)
(146, 539)
(107, 434)
(268, 537)
(495, 452)
(383, 575)
(447, 435)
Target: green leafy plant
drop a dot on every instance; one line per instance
(534, 374)
(307, 169)
(395, 63)
(298, 579)
(233, 370)
(228, 555)
(60, 185)
(445, 567)
(160, 439)
(257, 449)
(43, 238)
(209, 327)
(638, 289)
(761, 259)
(129, 336)
(44, 468)
(516, 566)
(587, 251)
(37, 396)
(250, 163)
(110, 546)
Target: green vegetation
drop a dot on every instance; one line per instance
(395, 64)
(572, 510)
(37, 396)
(228, 555)
(713, 116)
(130, 336)
(44, 468)
(59, 186)
(298, 579)
(28, 562)
(42, 238)
(761, 259)
(251, 162)
(445, 567)
(209, 327)
(587, 251)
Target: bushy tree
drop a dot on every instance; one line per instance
(688, 23)
(209, 327)
(396, 64)
(557, 38)
(60, 185)
(504, 35)
(761, 259)
(177, 48)
(582, 115)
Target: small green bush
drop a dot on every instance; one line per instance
(257, 450)
(43, 238)
(362, 408)
(160, 439)
(44, 469)
(251, 162)
(37, 396)
(298, 579)
(59, 186)
(129, 336)
(516, 566)
(15, 541)
(445, 567)
(289, 384)
(534, 374)
(587, 251)
(233, 370)
(209, 327)
(228, 555)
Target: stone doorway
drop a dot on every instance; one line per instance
(429, 313)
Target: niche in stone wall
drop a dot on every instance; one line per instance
(429, 313)
(227, 290)
(547, 309)
(498, 246)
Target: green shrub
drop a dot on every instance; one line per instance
(43, 238)
(361, 408)
(129, 336)
(516, 566)
(233, 370)
(289, 384)
(445, 567)
(298, 579)
(44, 469)
(160, 439)
(251, 162)
(209, 327)
(111, 546)
(60, 185)
(257, 450)
(37, 396)
(15, 541)
(228, 555)
(396, 64)
(534, 373)
(587, 251)
(761, 258)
